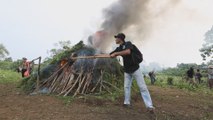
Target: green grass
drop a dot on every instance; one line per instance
(180, 83)
(66, 99)
(8, 76)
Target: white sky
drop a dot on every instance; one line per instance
(28, 28)
(180, 33)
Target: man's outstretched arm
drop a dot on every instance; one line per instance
(121, 53)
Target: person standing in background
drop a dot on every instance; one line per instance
(210, 76)
(152, 77)
(25, 71)
(198, 76)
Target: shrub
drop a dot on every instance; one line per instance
(170, 80)
(8, 76)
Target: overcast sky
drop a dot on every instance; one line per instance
(29, 28)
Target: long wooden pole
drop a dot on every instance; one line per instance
(92, 57)
(38, 74)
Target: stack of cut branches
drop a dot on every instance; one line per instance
(65, 82)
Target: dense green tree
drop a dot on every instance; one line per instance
(207, 49)
(3, 52)
(180, 69)
(60, 47)
(8, 64)
(9, 59)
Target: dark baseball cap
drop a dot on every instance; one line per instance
(24, 58)
(120, 35)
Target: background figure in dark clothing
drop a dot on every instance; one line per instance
(152, 77)
(198, 76)
(190, 72)
(190, 75)
(210, 76)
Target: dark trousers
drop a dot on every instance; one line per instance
(152, 80)
(210, 81)
(23, 71)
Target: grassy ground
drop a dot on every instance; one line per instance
(171, 102)
(8, 76)
(180, 82)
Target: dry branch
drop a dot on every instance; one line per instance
(65, 82)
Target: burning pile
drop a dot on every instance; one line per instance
(83, 76)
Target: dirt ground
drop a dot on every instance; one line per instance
(170, 104)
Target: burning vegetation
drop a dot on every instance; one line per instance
(64, 76)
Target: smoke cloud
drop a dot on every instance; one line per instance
(135, 18)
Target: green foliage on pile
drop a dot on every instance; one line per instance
(64, 53)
